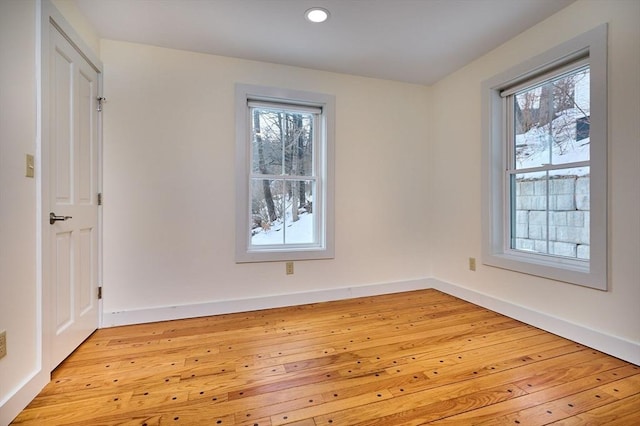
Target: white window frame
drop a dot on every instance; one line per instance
(496, 250)
(323, 207)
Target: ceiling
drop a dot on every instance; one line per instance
(416, 41)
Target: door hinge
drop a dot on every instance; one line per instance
(99, 198)
(100, 292)
(101, 100)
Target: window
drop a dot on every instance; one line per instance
(544, 164)
(284, 174)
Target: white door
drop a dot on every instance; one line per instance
(73, 193)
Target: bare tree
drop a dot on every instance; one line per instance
(553, 109)
(266, 187)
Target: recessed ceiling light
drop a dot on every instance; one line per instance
(316, 15)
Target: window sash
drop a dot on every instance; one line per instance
(317, 135)
(317, 223)
(508, 105)
(510, 236)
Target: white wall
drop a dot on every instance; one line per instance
(169, 215)
(455, 150)
(18, 288)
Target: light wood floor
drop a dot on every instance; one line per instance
(405, 359)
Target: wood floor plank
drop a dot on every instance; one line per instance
(413, 358)
(452, 390)
(576, 382)
(420, 407)
(622, 412)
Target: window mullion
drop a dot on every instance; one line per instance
(548, 214)
(284, 212)
(550, 124)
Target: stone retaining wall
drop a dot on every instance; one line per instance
(568, 216)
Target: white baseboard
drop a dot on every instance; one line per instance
(24, 393)
(612, 345)
(139, 316)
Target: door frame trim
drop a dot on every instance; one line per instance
(50, 16)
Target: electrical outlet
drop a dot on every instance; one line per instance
(472, 263)
(3, 343)
(289, 268)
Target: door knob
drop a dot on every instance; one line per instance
(53, 218)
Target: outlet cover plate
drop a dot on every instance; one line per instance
(3, 343)
(30, 166)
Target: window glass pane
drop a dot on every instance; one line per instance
(266, 212)
(298, 144)
(570, 127)
(282, 142)
(299, 220)
(267, 142)
(569, 210)
(552, 121)
(529, 217)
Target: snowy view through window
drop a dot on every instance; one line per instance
(283, 181)
(549, 170)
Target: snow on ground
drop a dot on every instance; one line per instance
(533, 146)
(300, 232)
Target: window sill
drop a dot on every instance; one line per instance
(559, 269)
(275, 255)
